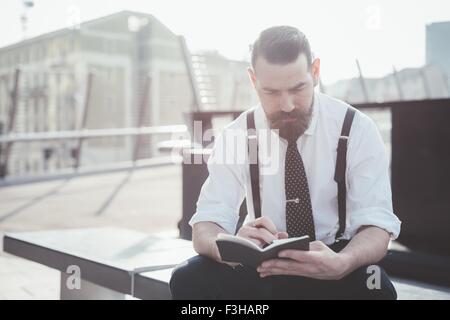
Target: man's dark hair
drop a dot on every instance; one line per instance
(281, 45)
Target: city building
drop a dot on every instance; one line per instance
(438, 46)
(124, 53)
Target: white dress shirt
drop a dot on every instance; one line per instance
(369, 200)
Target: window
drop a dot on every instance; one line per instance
(16, 168)
(36, 166)
(36, 115)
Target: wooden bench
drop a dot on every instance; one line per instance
(112, 262)
(115, 262)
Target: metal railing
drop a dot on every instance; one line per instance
(10, 137)
(85, 134)
(90, 133)
(207, 122)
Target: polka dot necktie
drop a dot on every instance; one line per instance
(299, 216)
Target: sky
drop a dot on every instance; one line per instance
(380, 34)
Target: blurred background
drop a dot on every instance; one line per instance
(95, 97)
(90, 65)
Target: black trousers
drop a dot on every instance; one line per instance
(201, 278)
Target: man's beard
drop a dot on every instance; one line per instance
(291, 131)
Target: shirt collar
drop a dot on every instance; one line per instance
(315, 115)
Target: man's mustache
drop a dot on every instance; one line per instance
(279, 116)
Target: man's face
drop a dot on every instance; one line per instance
(286, 93)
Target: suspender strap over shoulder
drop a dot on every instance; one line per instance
(252, 144)
(340, 172)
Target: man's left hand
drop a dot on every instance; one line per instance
(320, 262)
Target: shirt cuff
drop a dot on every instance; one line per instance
(374, 216)
(221, 215)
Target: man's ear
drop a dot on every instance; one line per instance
(315, 71)
(252, 76)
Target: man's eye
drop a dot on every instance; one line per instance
(298, 90)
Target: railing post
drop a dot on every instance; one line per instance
(426, 86)
(363, 82)
(398, 84)
(144, 102)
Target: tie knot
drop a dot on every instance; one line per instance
(292, 144)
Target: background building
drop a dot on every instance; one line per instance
(427, 82)
(120, 51)
(438, 46)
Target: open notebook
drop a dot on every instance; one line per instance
(241, 250)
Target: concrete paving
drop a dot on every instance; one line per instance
(148, 200)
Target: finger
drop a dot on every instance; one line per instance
(257, 233)
(246, 231)
(316, 245)
(282, 235)
(266, 223)
(300, 270)
(265, 235)
(279, 263)
(298, 255)
(257, 241)
(251, 234)
(275, 272)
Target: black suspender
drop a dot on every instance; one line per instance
(252, 148)
(339, 175)
(252, 143)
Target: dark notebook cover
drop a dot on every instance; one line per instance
(243, 251)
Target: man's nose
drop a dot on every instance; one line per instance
(287, 103)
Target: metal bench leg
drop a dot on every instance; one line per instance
(87, 291)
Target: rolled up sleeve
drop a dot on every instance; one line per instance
(369, 197)
(223, 191)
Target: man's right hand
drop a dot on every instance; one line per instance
(261, 231)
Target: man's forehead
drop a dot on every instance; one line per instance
(277, 76)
